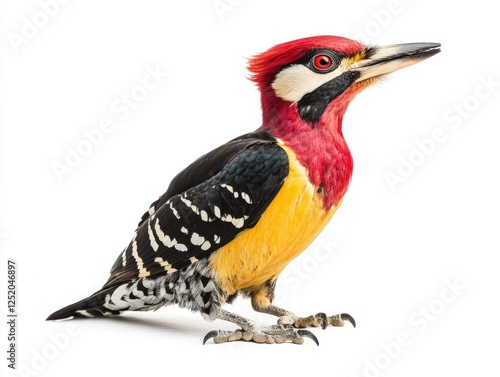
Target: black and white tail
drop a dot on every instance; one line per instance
(189, 288)
(141, 294)
(92, 306)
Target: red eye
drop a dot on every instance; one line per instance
(322, 62)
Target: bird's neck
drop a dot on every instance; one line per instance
(320, 148)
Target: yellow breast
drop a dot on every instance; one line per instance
(290, 223)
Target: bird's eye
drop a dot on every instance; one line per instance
(322, 62)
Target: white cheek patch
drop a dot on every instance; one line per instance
(292, 83)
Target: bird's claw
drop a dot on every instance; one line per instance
(222, 336)
(269, 335)
(308, 334)
(343, 317)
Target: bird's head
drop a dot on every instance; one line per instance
(309, 82)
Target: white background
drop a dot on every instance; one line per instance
(387, 256)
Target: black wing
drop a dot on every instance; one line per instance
(205, 207)
(207, 166)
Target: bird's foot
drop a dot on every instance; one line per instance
(316, 320)
(272, 334)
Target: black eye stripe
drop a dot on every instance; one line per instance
(312, 105)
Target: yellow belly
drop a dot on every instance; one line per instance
(291, 222)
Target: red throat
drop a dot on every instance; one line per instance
(320, 148)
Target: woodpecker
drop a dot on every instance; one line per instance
(230, 222)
